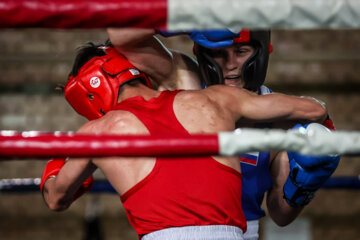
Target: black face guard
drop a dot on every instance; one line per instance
(210, 71)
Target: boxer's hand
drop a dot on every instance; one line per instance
(214, 38)
(307, 175)
(52, 169)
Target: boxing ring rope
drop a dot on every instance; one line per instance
(46, 145)
(32, 144)
(181, 15)
(31, 185)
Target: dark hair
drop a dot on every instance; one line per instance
(87, 52)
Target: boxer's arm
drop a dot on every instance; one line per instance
(283, 107)
(279, 210)
(187, 75)
(296, 178)
(59, 192)
(52, 169)
(70, 178)
(264, 108)
(145, 52)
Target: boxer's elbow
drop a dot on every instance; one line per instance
(282, 220)
(59, 205)
(318, 114)
(283, 215)
(314, 109)
(57, 202)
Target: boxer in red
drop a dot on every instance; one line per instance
(186, 198)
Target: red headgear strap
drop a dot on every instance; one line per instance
(244, 37)
(94, 91)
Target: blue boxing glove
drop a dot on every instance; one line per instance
(214, 38)
(206, 38)
(307, 174)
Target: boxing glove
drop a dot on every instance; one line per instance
(206, 38)
(52, 169)
(214, 38)
(307, 174)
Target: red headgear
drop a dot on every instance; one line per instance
(94, 91)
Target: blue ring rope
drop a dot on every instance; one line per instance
(30, 185)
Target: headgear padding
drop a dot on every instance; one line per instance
(94, 91)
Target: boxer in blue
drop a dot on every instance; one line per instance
(239, 60)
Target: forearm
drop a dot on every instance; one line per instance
(125, 37)
(305, 109)
(56, 200)
(271, 107)
(279, 210)
(320, 111)
(65, 186)
(145, 52)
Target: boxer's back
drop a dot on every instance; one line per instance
(195, 111)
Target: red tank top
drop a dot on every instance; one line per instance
(182, 191)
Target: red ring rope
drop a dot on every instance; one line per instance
(83, 14)
(17, 145)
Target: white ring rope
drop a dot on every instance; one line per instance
(315, 142)
(283, 14)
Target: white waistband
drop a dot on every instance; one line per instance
(212, 232)
(252, 232)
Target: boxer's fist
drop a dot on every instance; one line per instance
(52, 169)
(214, 38)
(307, 174)
(206, 38)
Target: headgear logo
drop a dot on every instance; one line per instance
(134, 72)
(95, 82)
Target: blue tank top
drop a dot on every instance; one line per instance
(255, 168)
